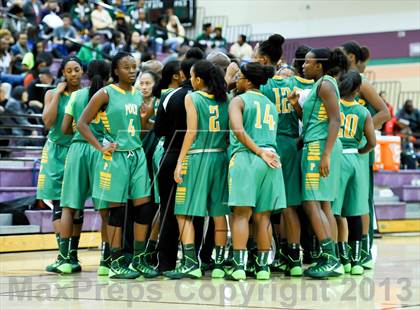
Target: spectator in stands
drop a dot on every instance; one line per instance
(37, 50)
(21, 47)
(241, 49)
(176, 33)
(393, 125)
(4, 121)
(116, 44)
(6, 63)
(142, 26)
(80, 15)
(136, 47)
(119, 6)
(101, 20)
(32, 11)
(133, 11)
(63, 47)
(40, 63)
(160, 34)
(17, 104)
(122, 25)
(218, 42)
(204, 39)
(51, 7)
(91, 50)
(410, 114)
(38, 87)
(16, 26)
(5, 33)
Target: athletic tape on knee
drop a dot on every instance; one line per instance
(78, 217)
(56, 210)
(145, 213)
(116, 216)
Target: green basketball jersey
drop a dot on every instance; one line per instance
(213, 121)
(121, 118)
(55, 134)
(353, 117)
(77, 104)
(259, 120)
(315, 117)
(277, 90)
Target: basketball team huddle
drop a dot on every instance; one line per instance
(250, 170)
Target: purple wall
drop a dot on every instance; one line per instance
(381, 45)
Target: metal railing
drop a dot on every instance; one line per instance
(392, 89)
(9, 137)
(412, 95)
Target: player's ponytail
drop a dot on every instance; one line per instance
(338, 62)
(213, 79)
(257, 74)
(365, 53)
(98, 74)
(272, 48)
(333, 62)
(349, 82)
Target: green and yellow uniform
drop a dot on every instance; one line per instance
(122, 175)
(54, 155)
(203, 190)
(277, 90)
(368, 168)
(315, 134)
(82, 157)
(353, 186)
(252, 183)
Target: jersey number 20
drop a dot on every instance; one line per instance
(348, 125)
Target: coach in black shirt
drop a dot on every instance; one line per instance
(171, 122)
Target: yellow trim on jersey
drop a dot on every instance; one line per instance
(255, 92)
(314, 151)
(322, 114)
(206, 94)
(312, 180)
(304, 81)
(278, 77)
(181, 193)
(105, 180)
(41, 181)
(348, 103)
(362, 101)
(44, 155)
(105, 121)
(122, 91)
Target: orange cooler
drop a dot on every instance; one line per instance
(388, 153)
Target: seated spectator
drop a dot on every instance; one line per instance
(4, 97)
(40, 63)
(63, 47)
(136, 47)
(18, 51)
(241, 49)
(160, 34)
(16, 26)
(80, 15)
(37, 50)
(204, 39)
(410, 114)
(6, 64)
(101, 20)
(51, 7)
(122, 25)
(116, 44)
(119, 6)
(176, 33)
(21, 47)
(218, 42)
(17, 104)
(5, 33)
(91, 50)
(38, 87)
(142, 26)
(133, 11)
(32, 11)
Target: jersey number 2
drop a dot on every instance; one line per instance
(214, 124)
